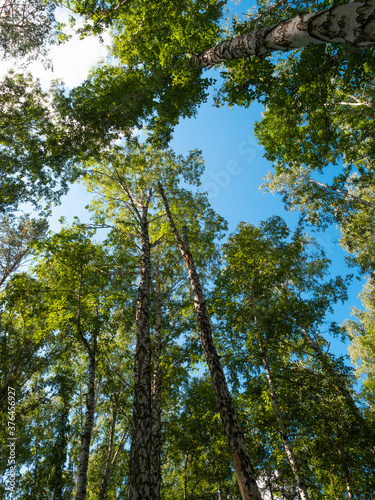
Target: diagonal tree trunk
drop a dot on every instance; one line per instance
(244, 469)
(334, 377)
(351, 23)
(280, 422)
(140, 451)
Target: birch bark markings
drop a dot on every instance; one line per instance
(140, 451)
(352, 23)
(156, 397)
(244, 469)
(280, 421)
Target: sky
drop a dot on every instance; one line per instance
(235, 165)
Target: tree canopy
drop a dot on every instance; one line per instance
(138, 358)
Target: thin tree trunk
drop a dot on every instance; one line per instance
(156, 399)
(325, 361)
(90, 405)
(244, 469)
(345, 194)
(140, 451)
(185, 476)
(282, 428)
(351, 23)
(87, 431)
(111, 459)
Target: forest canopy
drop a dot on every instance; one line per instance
(149, 353)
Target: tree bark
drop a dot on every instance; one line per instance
(111, 458)
(351, 23)
(87, 431)
(156, 399)
(140, 451)
(282, 428)
(90, 403)
(244, 469)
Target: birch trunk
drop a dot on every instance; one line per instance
(244, 470)
(156, 400)
(111, 459)
(106, 473)
(282, 428)
(87, 431)
(140, 451)
(351, 23)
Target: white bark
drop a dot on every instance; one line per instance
(282, 428)
(352, 23)
(140, 450)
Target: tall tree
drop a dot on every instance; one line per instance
(78, 276)
(128, 178)
(237, 446)
(268, 289)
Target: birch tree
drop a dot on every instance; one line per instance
(127, 179)
(263, 297)
(77, 274)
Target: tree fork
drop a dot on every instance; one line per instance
(244, 469)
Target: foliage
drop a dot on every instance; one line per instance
(35, 153)
(27, 27)
(362, 349)
(273, 287)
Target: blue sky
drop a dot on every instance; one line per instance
(234, 162)
(235, 168)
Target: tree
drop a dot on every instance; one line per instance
(350, 23)
(16, 239)
(35, 153)
(26, 27)
(362, 346)
(78, 276)
(272, 299)
(127, 180)
(237, 446)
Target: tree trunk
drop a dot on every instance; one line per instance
(156, 399)
(325, 361)
(244, 469)
(282, 428)
(104, 482)
(351, 23)
(140, 451)
(111, 459)
(87, 431)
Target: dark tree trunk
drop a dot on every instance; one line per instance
(140, 451)
(87, 431)
(156, 399)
